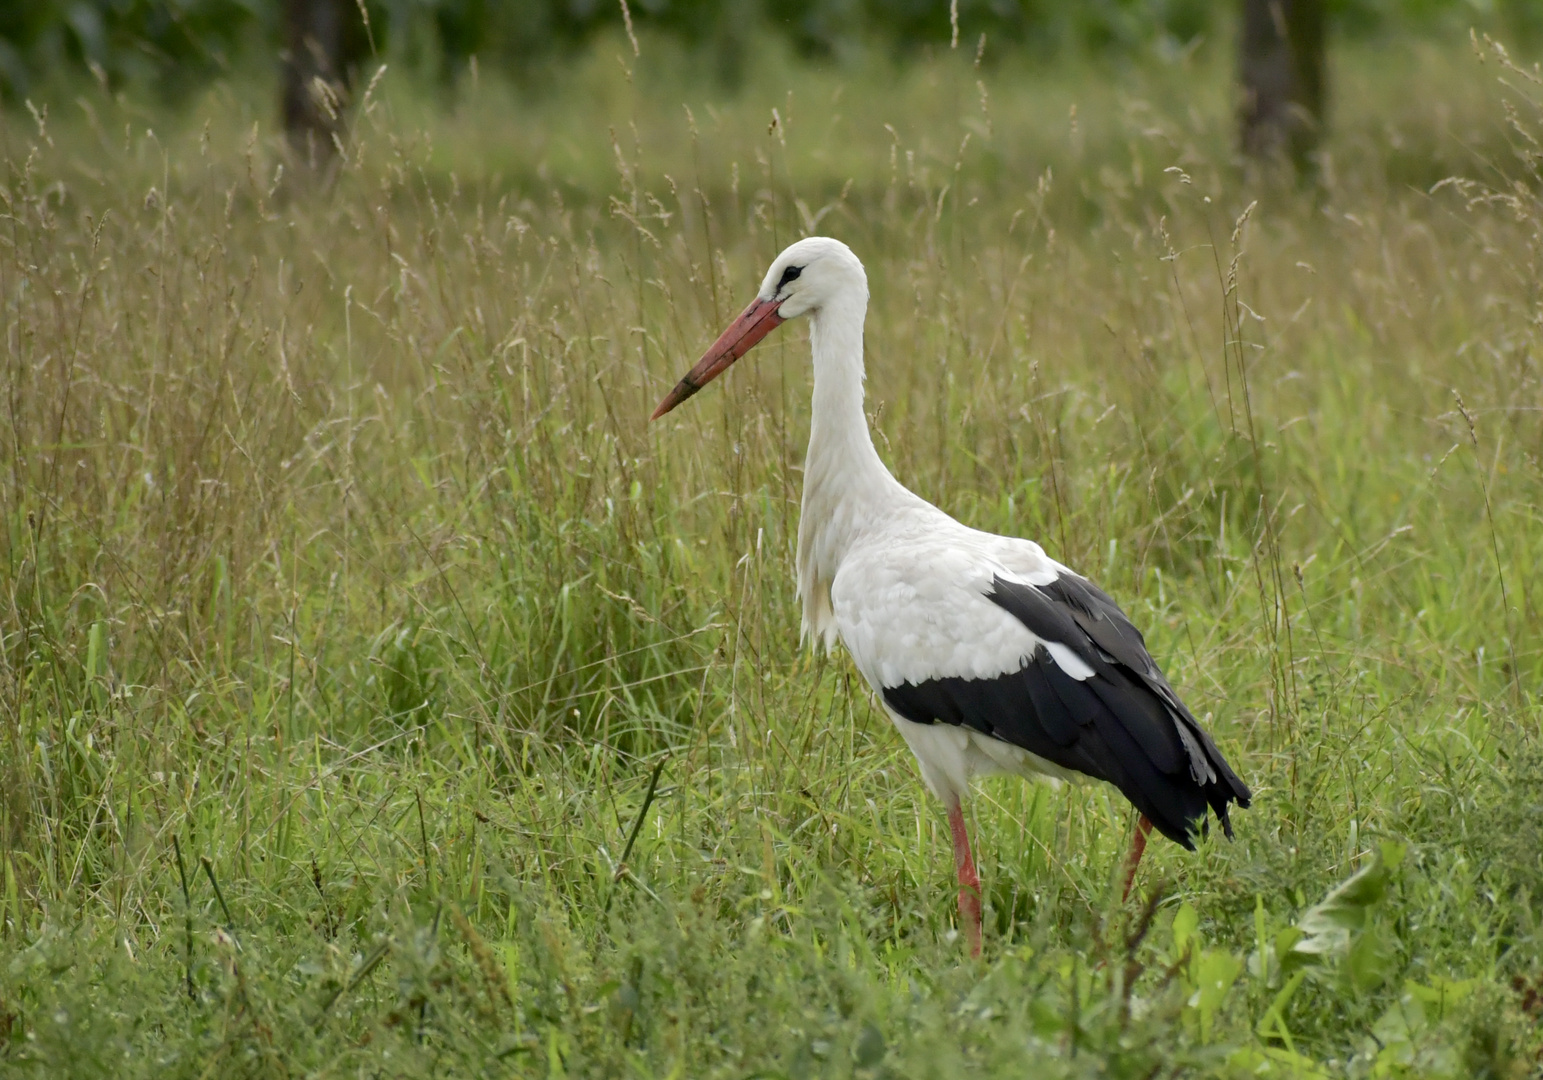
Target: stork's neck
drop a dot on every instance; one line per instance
(846, 485)
(842, 470)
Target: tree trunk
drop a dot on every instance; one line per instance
(320, 44)
(1282, 71)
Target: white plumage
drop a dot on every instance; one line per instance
(988, 655)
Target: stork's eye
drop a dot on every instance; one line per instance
(790, 274)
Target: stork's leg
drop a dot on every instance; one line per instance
(969, 881)
(1138, 845)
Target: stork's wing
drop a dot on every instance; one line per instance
(1086, 696)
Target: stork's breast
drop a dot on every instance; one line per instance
(908, 615)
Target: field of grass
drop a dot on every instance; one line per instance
(382, 696)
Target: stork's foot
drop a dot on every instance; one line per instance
(1138, 846)
(969, 880)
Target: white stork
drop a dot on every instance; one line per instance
(988, 655)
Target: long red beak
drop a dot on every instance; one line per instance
(754, 323)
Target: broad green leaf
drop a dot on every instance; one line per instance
(1327, 926)
(1184, 922)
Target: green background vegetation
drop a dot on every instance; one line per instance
(381, 695)
(173, 44)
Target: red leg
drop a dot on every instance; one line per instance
(1138, 846)
(969, 881)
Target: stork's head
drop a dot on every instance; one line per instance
(802, 280)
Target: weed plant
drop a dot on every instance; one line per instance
(382, 696)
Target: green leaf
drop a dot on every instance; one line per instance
(868, 1051)
(1273, 1023)
(1327, 926)
(1215, 972)
(1372, 958)
(1184, 922)
(1408, 1041)
(1272, 1061)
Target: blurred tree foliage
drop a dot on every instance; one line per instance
(166, 41)
(175, 43)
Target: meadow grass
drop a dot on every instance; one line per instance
(383, 696)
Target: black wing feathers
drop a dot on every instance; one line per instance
(1063, 705)
(1124, 724)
